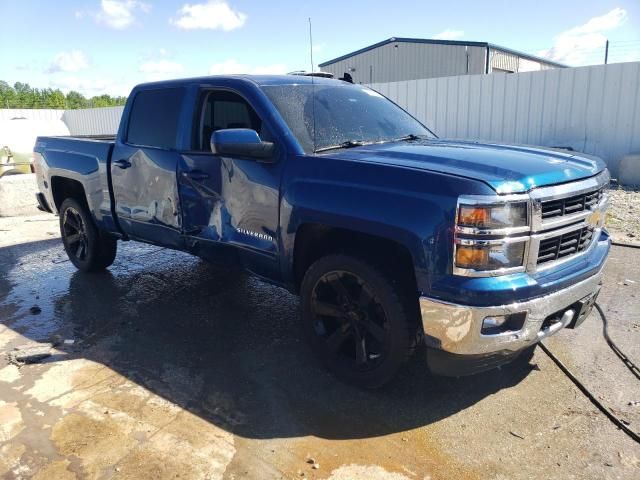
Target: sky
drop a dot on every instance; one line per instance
(107, 46)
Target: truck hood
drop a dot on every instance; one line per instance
(506, 168)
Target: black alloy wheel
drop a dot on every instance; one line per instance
(75, 234)
(358, 318)
(88, 248)
(350, 319)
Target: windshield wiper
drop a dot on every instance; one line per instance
(347, 144)
(360, 143)
(407, 138)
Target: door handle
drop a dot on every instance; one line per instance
(122, 163)
(196, 175)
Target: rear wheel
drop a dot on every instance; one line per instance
(356, 320)
(88, 249)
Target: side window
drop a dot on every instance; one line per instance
(154, 118)
(221, 110)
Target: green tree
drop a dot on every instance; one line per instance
(22, 95)
(56, 100)
(25, 95)
(76, 100)
(7, 95)
(102, 101)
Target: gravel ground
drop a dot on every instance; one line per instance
(623, 218)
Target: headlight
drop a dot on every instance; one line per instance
(489, 256)
(492, 217)
(491, 235)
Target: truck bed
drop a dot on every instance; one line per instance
(98, 138)
(82, 154)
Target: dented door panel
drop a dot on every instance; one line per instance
(146, 194)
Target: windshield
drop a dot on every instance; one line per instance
(345, 116)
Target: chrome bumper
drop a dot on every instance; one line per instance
(457, 328)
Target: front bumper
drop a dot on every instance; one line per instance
(456, 329)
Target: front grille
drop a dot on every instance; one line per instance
(570, 205)
(564, 245)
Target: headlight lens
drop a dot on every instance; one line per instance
(507, 215)
(490, 257)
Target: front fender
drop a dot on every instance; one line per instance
(415, 209)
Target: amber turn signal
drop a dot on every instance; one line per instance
(476, 216)
(471, 257)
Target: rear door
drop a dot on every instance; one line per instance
(231, 201)
(143, 167)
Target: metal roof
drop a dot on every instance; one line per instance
(443, 42)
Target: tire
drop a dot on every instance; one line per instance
(357, 320)
(87, 248)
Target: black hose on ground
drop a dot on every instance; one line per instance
(615, 420)
(627, 362)
(633, 368)
(628, 245)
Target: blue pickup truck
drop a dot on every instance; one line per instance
(391, 237)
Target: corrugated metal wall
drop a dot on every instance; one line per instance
(394, 62)
(503, 61)
(594, 109)
(389, 63)
(93, 121)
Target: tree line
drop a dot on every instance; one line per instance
(22, 95)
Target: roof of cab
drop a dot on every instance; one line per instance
(261, 80)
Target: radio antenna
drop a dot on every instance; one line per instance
(311, 45)
(313, 87)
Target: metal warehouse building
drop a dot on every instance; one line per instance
(398, 59)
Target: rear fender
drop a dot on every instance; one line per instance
(83, 168)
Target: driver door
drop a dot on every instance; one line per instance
(230, 201)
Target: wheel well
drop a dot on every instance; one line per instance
(314, 241)
(63, 188)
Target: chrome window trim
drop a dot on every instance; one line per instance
(537, 230)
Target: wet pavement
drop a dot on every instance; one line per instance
(174, 368)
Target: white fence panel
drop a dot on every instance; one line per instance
(41, 114)
(595, 110)
(90, 121)
(93, 121)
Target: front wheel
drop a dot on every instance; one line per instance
(88, 249)
(357, 320)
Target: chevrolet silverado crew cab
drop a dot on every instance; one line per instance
(390, 236)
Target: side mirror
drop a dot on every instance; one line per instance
(242, 142)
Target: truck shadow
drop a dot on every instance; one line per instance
(220, 344)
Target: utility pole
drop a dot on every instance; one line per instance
(606, 52)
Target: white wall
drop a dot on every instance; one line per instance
(93, 121)
(31, 114)
(88, 121)
(594, 109)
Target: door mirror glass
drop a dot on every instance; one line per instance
(241, 142)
